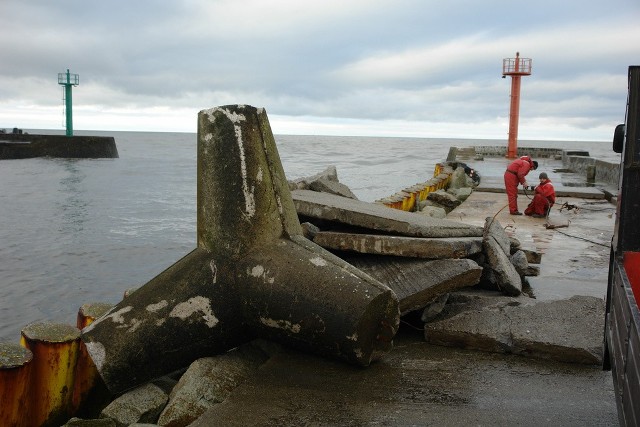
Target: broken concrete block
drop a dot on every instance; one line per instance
(461, 194)
(166, 383)
(434, 308)
(374, 216)
(488, 279)
(533, 256)
(493, 228)
(433, 212)
(565, 330)
(532, 270)
(497, 248)
(515, 244)
(519, 261)
(329, 174)
(331, 187)
(506, 276)
(418, 282)
(574, 337)
(424, 203)
(209, 381)
(309, 230)
(473, 321)
(415, 247)
(458, 178)
(140, 405)
(444, 199)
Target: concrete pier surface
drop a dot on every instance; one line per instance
(421, 384)
(575, 258)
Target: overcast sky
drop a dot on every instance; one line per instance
(427, 68)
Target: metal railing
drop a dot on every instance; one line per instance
(517, 65)
(68, 79)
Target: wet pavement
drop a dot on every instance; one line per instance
(418, 384)
(575, 258)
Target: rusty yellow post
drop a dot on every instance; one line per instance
(424, 192)
(55, 350)
(15, 370)
(87, 379)
(90, 312)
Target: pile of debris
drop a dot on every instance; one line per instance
(461, 183)
(420, 259)
(450, 185)
(467, 285)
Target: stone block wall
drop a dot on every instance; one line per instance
(601, 171)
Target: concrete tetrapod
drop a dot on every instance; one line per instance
(252, 274)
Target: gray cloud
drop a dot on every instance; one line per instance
(402, 60)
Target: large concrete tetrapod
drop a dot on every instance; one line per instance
(251, 275)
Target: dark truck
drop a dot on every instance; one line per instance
(622, 322)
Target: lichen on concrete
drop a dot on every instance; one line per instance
(198, 304)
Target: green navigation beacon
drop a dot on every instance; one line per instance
(67, 80)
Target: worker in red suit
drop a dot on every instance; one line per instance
(544, 198)
(514, 175)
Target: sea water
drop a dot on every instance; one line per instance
(81, 231)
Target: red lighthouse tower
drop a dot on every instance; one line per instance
(516, 68)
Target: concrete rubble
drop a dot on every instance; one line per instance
(414, 247)
(439, 269)
(324, 182)
(417, 283)
(140, 405)
(497, 249)
(565, 330)
(442, 198)
(372, 216)
(210, 380)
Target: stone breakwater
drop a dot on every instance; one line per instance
(25, 146)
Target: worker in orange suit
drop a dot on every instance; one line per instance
(544, 198)
(514, 175)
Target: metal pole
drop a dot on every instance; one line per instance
(514, 116)
(514, 111)
(68, 104)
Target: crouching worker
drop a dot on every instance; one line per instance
(543, 199)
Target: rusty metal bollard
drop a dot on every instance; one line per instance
(55, 349)
(87, 382)
(89, 312)
(252, 274)
(15, 373)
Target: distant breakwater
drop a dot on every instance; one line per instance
(25, 146)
